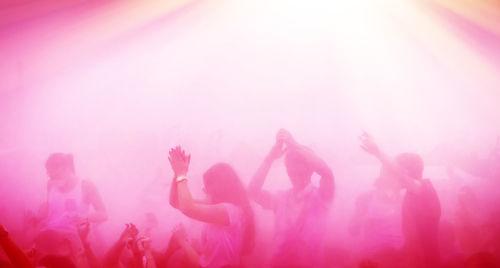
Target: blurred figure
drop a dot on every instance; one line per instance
(178, 251)
(468, 222)
(481, 260)
(229, 230)
(16, 256)
(421, 209)
(55, 261)
(69, 203)
(300, 212)
(130, 251)
(377, 217)
(86, 257)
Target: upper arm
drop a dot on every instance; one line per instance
(264, 198)
(93, 196)
(327, 184)
(213, 213)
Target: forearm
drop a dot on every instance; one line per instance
(388, 162)
(150, 260)
(17, 257)
(184, 195)
(174, 197)
(92, 260)
(191, 254)
(112, 257)
(319, 166)
(259, 177)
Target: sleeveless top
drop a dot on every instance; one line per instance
(300, 226)
(222, 246)
(63, 207)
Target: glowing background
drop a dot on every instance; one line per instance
(119, 82)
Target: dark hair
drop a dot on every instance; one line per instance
(294, 157)
(412, 163)
(56, 261)
(56, 160)
(232, 191)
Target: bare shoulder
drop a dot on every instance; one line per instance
(88, 186)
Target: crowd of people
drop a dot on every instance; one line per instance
(399, 220)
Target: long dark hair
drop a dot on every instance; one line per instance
(230, 189)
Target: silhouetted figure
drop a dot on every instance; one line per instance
(300, 212)
(421, 209)
(377, 217)
(70, 202)
(229, 230)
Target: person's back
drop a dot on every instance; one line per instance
(421, 214)
(300, 226)
(301, 212)
(421, 209)
(222, 245)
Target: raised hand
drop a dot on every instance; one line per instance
(129, 234)
(143, 244)
(286, 137)
(277, 150)
(368, 144)
(179, 161)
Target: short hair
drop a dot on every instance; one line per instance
(412, 163)
(56, 160)
(293, 157)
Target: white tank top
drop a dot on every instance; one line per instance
(64, 207)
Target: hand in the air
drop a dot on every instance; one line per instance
(179, 161)
(286, 137)
(368, 144)
(129, 234)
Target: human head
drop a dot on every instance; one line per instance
(60, 166)
(222, 184)
(298, 169)
(412, 164)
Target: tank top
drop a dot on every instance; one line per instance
(63, 207)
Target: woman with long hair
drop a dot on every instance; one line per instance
(229, 231)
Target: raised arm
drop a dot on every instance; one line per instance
(327, 181)
(368, 144)
(262, 197)
(83, 232)
(16, 256)
(112, 257)
(210, 213)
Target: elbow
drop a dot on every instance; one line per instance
(253, 193)
(186, 208)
